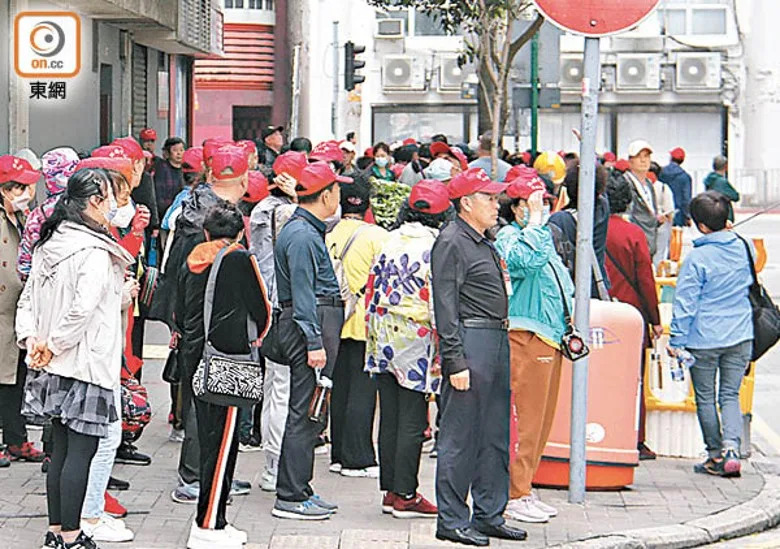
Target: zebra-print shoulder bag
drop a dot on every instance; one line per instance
(221, 378)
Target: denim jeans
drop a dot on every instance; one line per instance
(729, 363)
(102, 463)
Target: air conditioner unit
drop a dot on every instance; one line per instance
(389, 29)
(450, 74)
(638, 72)
(403, 73)
(698, 72)
(571, 72)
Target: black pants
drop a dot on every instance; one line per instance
(11, 396)
(353, 403)
(218, 428)
(402, 422)
(296, 461)
(474, 435)
(189, 457)
(66, 482)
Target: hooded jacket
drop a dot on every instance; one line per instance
(239, 293)
(73, 300)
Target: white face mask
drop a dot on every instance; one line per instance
(20, 203)
(123, 215)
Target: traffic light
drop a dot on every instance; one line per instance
(351, 65)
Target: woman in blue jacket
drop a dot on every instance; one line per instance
(712, 319)
(536, 326)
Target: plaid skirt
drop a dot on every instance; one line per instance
(83, 407)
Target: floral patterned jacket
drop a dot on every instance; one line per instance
(401, 338)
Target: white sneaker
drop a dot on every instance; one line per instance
(524, 510)
(203, 538)
(335, 468)
(108, 529)
(268, 482)
(322, 450)
(367, 472)
(543, 507)
(236, 534)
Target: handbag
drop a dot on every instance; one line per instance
(170, 373)
(572, 344)
(766, 316)
(221, 378)
(151, 276)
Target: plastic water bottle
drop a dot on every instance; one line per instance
(318, 407)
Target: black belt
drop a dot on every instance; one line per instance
(330, 301)
(486, 323)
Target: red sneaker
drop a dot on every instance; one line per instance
(387, 503)
(26, 452)
(113, 507)
(417, 507)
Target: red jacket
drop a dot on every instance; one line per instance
(627, 244)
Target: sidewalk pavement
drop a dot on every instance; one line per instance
(665, 492)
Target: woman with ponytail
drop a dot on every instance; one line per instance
(69, 321)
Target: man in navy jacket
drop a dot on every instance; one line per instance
(680, 182)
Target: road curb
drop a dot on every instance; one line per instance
(750, 517)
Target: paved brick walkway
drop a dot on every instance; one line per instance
(664, 492)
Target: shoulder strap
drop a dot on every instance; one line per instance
(598, 276)
(566, 312)
(208, 300)
(628, 279)
(750, 260)
(273, 227)
(351, 240)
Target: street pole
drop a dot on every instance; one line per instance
(534, 93)
(586, 195)
(335, 103)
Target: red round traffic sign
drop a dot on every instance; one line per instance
(596, 17)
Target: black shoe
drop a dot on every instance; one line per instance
(645, 453)
(129, 454)
(118, 484)
(466, 536)
(82, 542)
(52, 540)
(503, 531)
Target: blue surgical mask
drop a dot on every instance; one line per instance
(526, 216)
(545, 214)
(381, 161)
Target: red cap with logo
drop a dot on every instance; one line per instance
(525, 183)
(131, 147)
(148, 134)
(257, 189)
(292, 163)
(327, 151)
(317, 176)
(473, 180)
(678, 153)
(609, 156)
(192, 161)
(18, 170)
(248, 145)
(110, 151)
(229, 163)
(212, 145)
(430, 196)
(120, 164)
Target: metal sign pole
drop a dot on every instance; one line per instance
(586, 193)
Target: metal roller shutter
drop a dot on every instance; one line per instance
(139, 89)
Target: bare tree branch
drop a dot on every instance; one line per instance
(520, 41)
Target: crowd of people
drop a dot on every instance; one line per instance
(293, 276)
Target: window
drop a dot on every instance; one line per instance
(709, 21)
(425, 25)
(250, 4)
(673, 21)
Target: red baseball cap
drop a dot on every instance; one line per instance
(437, 148)
(527, 158)
(292, 163)
(525, 183)
(192, 161)
(369, 152)
(316, 176)
(429, 196)
(513, 173)
(609, 156)
(622, 165)
(229, 163)
(18, 170)
(410, 141)
(248, 145)
(109, 151)
(212, 145)
(678, 153)
(461, 157)
(327, 151)
(473, 180)
(148, 134)
(257, 189)
(131, 147)
(120, 164)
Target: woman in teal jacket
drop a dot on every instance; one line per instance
(536, 326)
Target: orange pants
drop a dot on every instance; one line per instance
(535, 379)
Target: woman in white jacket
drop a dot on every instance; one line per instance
(69, 321)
